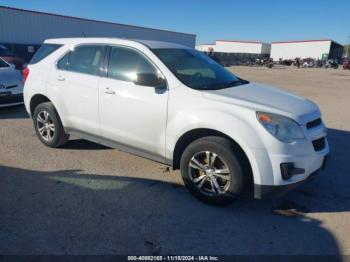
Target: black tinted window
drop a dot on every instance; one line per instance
(83, 59)
(127, 65)
(44, 51)
(3, 64)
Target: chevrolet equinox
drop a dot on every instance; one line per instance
(172, 104)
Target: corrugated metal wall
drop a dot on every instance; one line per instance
(301, 49)
(27, 27)
(237, 47)
(265, 48)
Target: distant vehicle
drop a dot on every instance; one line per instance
(268, 63)
(308, 62)
(318, 63)
(297, 62)
(346, 63)
(11, 58)
(330, 63)
(11, 85)
(287, 62)
(172, 104)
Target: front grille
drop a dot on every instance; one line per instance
(319, 144)
(314, 123)
(11, 99)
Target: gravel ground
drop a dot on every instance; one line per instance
(89, 199)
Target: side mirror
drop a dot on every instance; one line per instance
(150, 79)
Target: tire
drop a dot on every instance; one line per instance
(48, 125)
(225, 169)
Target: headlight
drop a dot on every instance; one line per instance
(283, 128)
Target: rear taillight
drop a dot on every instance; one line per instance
(25, 73)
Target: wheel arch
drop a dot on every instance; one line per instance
(36, 100)
(197, 133)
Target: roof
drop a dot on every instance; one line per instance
(110, 40)
(302, 41)
(85, 19)
(206, 44)
(160, 44)
(241, 41)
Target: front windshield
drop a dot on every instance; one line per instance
(196, 69)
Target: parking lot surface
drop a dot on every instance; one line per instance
(89, 199)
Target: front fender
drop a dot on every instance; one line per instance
(237, 127)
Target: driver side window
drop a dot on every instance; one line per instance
(128, 65)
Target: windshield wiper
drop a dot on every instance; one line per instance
(228, 84)
(231, 83)
(235, 83)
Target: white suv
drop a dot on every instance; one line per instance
(175, 105)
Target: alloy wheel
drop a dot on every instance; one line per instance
(209, 173)
(45, 125)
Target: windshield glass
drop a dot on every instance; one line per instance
(196, 69)
(3, 64)
(4, 51)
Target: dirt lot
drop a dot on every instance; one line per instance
(89, 199)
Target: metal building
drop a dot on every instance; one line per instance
(232, 52)
(236, 46)
(24, 30)
(316, 49)
(205, 47)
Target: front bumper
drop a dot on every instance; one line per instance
(272, 191)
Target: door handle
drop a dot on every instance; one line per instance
(109, 91)
(61, 78)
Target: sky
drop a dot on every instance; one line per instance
(256, 20)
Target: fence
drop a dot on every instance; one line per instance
(229, 59)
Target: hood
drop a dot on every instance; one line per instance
(265, 98)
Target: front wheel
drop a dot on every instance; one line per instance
(48, 125)
(211, 171)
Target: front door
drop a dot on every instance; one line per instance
(131, 114)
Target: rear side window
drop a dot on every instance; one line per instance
(44, 51)
(126, 64)
(3, 64)
(83, 59)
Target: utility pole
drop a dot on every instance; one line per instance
(348, 48)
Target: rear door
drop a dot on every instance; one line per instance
(74, 86)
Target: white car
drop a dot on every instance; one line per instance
(11, 85)
(172, 104)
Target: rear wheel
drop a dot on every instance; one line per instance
(211, 171)
(48, 125)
